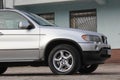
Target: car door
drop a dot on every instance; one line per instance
(17, 44)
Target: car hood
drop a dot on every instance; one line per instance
(69, 30)
(51, 33)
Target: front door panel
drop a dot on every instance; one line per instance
(17, 44)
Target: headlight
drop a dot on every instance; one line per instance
(92, 38)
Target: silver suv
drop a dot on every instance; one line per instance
(28, 40)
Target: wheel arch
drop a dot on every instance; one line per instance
(56, 42)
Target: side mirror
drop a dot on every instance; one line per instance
(24, 25)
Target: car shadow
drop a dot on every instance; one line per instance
(104, 73)
(27, 74)
(51, 74)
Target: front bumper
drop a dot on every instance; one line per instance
(93, 46)
(95, 53)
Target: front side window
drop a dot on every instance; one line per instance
(10, 20)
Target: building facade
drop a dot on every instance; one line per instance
(101, 16)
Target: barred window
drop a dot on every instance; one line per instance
(84, 19)
(48, 16)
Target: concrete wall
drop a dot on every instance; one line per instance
(108, 16)
(109, 22)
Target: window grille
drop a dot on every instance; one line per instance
(84, 20)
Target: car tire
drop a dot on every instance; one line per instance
(88, 69)
(2, 69)
(64, 59)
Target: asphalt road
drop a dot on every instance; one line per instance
(104, 72)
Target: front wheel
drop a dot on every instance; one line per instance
(2, 69)
(64, 59)
(86, 69)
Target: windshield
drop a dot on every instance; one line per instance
(39, 20)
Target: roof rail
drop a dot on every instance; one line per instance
(8, 8)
